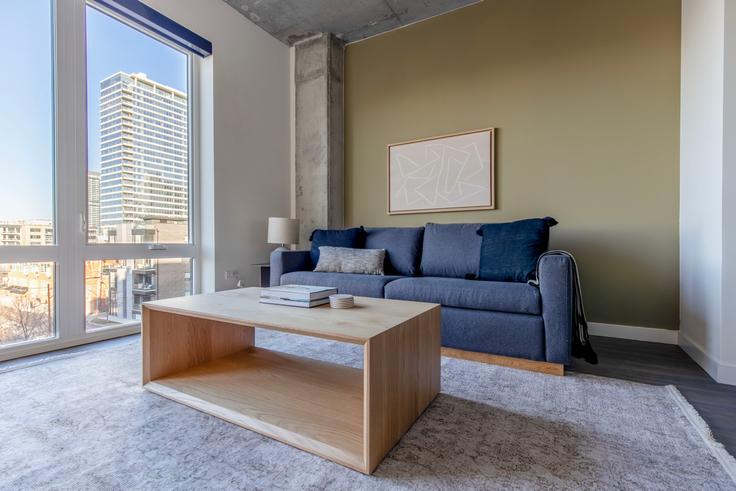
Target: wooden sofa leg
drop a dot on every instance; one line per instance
(506, 361)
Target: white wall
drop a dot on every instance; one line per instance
(246, 137)
(706, 207)
(727, 370)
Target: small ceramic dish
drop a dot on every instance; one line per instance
(341, 301)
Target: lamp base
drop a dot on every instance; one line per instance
(281, 248)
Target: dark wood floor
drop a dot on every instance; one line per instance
(666, 364)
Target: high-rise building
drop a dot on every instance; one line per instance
(93, 203)
(140, 195)
(144, 162)
(26, 232)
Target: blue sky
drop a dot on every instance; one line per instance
(26, 99)
(26, 150)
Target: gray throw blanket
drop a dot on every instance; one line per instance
(581, 347)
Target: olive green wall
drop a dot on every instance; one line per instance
(585, 96)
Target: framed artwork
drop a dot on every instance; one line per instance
(443, 173)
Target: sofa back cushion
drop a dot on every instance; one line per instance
(349, 237)
(509, 251)
(451, 250)
(403, 247)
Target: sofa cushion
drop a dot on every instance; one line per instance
(349, 237)
(363, 285)
(403, 247)
(451, 250)
(509, 251)
(500, 296)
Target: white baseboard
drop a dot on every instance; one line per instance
(651, 334)
(722, 373)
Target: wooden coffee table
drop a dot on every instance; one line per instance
(200, 351)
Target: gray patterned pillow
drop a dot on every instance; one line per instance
(347, 260)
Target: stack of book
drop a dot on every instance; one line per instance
(297, 295)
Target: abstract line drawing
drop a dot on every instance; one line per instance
(444, 173)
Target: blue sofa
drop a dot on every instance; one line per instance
(434, 264)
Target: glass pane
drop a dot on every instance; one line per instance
(26, 302)
(26, 125)
(138, 136)
(116, 288)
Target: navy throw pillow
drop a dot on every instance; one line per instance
(509, 251)
(353, 238)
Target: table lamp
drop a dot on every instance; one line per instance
(283, 231)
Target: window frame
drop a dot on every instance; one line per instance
(193, 115)
(15, 254)
(70, 165)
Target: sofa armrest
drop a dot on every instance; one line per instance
(556, 288)
(283, 262)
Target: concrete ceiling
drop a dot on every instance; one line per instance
(293, 20)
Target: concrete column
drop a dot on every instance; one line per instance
(318, 143)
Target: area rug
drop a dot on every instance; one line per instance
(84, 422)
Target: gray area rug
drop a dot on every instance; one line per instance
(84, 422)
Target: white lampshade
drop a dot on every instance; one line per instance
(283, 230)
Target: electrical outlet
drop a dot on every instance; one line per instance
(232, 274)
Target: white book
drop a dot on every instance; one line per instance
(298, 292)
(295, 303)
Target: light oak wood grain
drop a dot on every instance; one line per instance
(199, 351)
(507, 361)
(370, 316)
(172, 342)
(312, 405)
(402, 377)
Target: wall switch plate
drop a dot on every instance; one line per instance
(232, 274)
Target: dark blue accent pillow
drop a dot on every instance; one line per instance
(509, 251)
(349, 237)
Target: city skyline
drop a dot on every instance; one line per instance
(140, 194)
(144, 172)
(28, 101)
(145, 144)
(148, 157)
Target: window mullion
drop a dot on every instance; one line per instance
(71, 161)
(138, 251)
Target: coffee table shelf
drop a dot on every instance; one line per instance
(310, 404)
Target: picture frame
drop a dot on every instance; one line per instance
(452, 172)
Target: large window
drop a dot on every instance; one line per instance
(27, 306)
(137, 136)
(96, 161)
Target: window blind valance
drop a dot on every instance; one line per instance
(139, 13)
